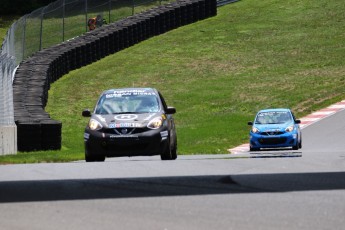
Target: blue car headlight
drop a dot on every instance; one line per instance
(255, 130)
(290, 129)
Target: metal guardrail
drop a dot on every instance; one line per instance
(225, 2)
(8, 131)
(63, 20)
(7, 66)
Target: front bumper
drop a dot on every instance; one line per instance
(148, 143)
(274, 141)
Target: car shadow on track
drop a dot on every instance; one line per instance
(55, 190)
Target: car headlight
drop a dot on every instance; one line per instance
(290, 129)
(94, 124)
(255, 130)
(155, 123)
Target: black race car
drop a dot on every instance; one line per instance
(130, 122)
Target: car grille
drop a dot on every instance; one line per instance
(124, 131)
(272, 141)
(131, 147)
(274, 133)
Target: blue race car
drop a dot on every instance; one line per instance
(275, 128)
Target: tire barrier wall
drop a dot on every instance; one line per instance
(35, 129)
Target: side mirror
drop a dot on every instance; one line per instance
(298, 121)
(170, 110)
(250, 123)
(86, 113)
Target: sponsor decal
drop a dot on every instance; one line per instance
(86, 136)
(123, 137)
(273, 113)
(121, 93)
(124, 125)
(272, 130)
(164, 134)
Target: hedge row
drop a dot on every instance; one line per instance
(36, 130)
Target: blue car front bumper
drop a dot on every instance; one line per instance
(258, 140)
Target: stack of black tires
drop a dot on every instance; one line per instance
(36, 130)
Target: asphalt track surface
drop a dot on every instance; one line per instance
(283, 189)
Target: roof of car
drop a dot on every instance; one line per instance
(275, 110)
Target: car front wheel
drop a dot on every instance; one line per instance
(93, 157)
(300, 144)
(169, 153)
(295, 147)
(252, 149)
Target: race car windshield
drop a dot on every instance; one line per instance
(277, 117)
(127, 103)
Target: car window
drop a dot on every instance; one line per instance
(273, 117)
(127, 102)
(293, 116)
(163, 101)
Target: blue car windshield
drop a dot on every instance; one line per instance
(127, 102)
(273, 117)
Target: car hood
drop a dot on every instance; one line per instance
(125, 120)
(272, 127)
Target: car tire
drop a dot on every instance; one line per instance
(252, 149)
(300, 144)
(93, 158)
(169, 153)
(295, 147)
(174, 152)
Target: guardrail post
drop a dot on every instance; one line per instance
(109, 11)
(41, 29)
(63, 20)
(24, 35)
(85, 15)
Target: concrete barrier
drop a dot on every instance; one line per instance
(8, 140)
